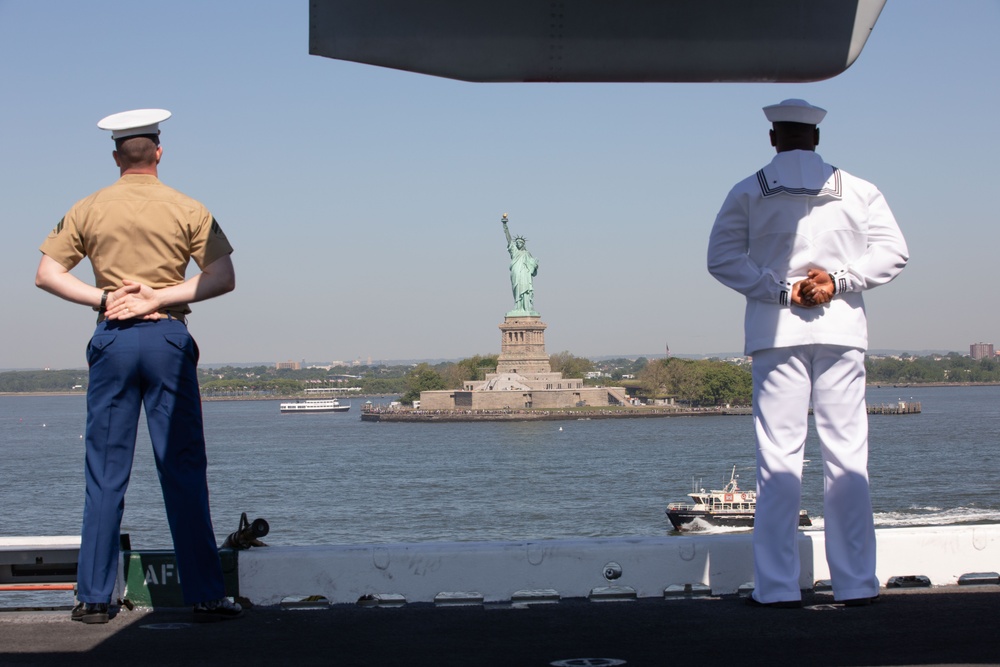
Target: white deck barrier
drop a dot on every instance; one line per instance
(543, 570)
(33, 562)
(616, 568)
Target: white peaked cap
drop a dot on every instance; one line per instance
(132, 123)
(794, 111)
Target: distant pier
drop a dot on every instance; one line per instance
(371, 413)
(900, 408)
(395, 414)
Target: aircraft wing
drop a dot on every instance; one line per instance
(598, 40)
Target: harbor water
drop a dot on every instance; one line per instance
(333, 479)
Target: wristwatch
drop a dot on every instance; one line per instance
(104, 303)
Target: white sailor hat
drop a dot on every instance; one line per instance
(132, 123)
(794, 111)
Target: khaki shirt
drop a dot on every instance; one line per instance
(137, 229)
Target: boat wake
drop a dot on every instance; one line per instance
(702, 527)
(928, 516)
(936, 516)
(913, 517)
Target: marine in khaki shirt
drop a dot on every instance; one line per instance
(138, 229)
(140, 236)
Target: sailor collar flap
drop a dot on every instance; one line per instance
(804, 175)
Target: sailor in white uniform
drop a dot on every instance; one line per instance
(802, 240)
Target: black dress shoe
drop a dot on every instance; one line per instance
(751, 601)
(222, 609)
(858, 602)
(90, 612)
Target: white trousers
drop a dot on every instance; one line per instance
(785, 381)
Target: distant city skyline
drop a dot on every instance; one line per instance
(981, 350)
(316, 363)
(364, 203)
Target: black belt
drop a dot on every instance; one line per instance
(174, 316)
(164, 315)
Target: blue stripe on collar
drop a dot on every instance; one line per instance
(767, 191)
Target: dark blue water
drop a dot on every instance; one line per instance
(332, 479)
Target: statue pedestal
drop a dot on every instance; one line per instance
(522, 346)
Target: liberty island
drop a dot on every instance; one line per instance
(523, 380)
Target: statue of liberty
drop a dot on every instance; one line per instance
(522, 268)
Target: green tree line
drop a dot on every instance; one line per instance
(952, 367)
(707, 382)
(43, 381)
(698, 382)
(446, 375)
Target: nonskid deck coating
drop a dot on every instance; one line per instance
(946, 625)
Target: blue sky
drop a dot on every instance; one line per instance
(365, 203)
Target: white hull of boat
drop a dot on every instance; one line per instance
(314, 405)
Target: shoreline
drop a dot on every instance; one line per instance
(83, 394)
(409, 415)
(567, 414)
(877, 385)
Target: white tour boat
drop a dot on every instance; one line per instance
(315, 405)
